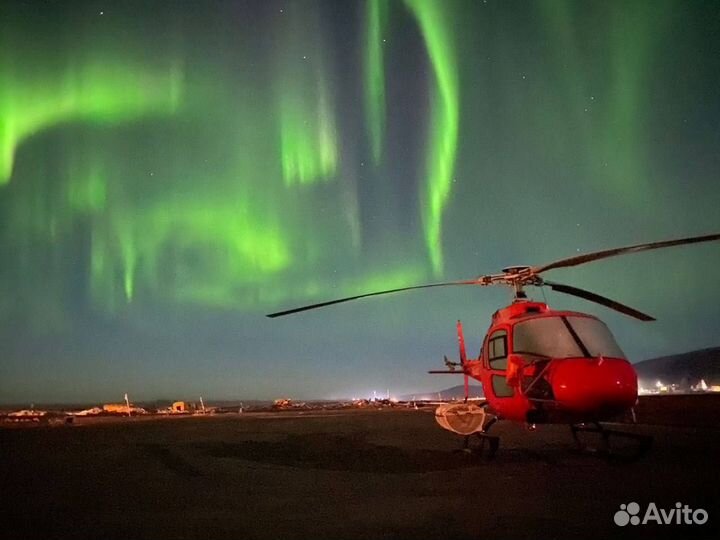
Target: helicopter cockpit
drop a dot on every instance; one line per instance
(566, 336)
(537, 341)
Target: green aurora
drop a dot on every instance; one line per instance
(442, 150)
(256, 155)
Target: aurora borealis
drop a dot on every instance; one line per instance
(172, 171)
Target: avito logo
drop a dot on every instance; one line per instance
(679, 515)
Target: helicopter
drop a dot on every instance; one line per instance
(538, 365)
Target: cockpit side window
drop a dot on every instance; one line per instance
(497, 350)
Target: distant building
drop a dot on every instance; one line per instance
(116, 408)
(282, 403)
(181, 407)
(27, 416)
(89, 412)
(27, 413)
(122, 408)
(286, 403)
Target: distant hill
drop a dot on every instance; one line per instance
(687, 367)
(456, 392)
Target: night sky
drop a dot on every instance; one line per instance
(172, 171)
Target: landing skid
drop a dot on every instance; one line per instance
(605, 448)
(493, 442)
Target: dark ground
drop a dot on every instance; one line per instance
(356, 474)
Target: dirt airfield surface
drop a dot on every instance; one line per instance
(371, 474)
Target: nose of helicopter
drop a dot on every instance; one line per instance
(596, 386)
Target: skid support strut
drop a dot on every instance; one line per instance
(493, 442)
(605, 448)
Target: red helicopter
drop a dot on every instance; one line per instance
(542, 366)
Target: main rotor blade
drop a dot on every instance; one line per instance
(597, 255)
(341, 300)
(587, 295)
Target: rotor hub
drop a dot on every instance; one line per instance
(518, 276)
(516, 269)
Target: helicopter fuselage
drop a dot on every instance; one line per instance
(539, 365)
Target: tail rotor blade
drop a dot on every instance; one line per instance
(593, 297)
(463, 359)
(461, 344)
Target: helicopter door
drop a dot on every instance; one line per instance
(497, 351)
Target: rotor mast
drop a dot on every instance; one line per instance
(517, 277)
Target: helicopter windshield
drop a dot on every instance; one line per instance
(565, 337)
